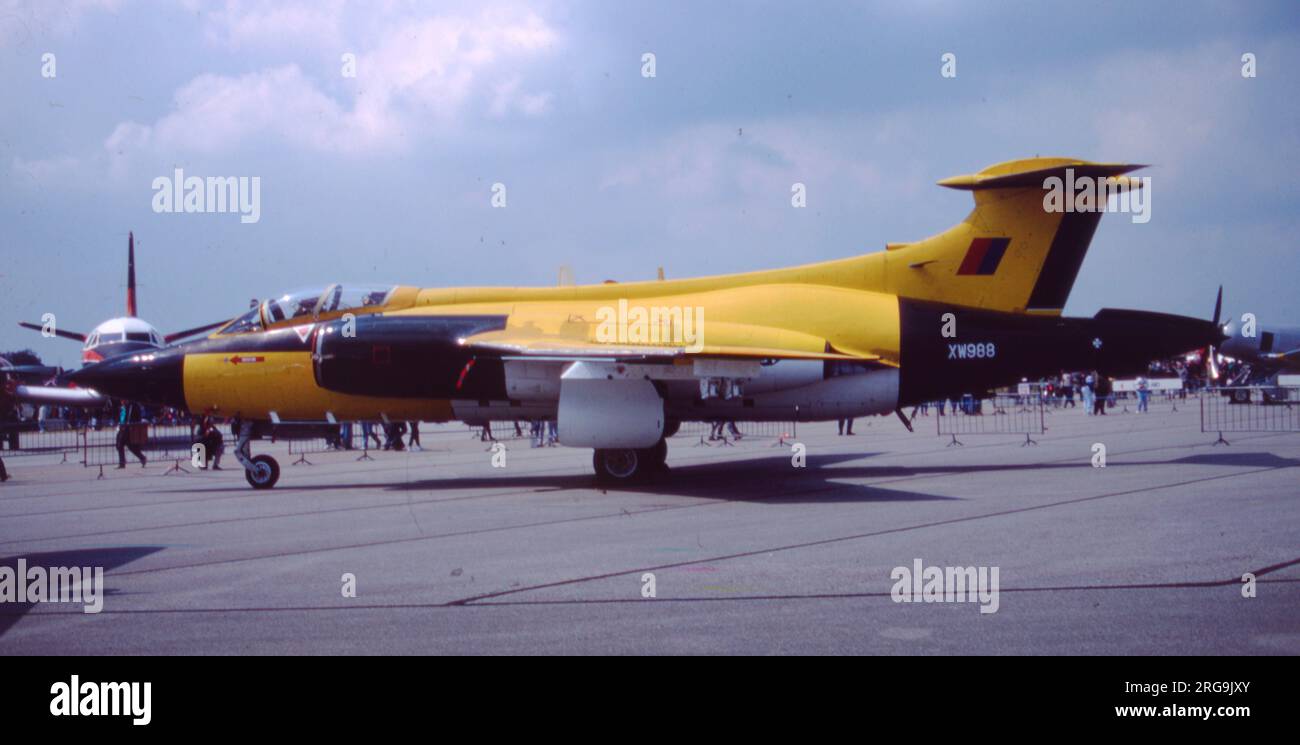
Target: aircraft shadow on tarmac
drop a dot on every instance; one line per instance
(108, 558)
(773, 480)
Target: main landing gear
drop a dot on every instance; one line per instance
(261, 471)
(629, 465)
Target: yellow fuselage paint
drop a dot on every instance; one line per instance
(283, 382)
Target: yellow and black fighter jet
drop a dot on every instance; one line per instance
(621, 365)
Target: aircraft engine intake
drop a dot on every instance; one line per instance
(405, 357)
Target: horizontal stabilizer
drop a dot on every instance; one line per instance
(1031, 172)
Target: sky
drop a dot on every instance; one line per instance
(380, 167)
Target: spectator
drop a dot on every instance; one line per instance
(129, 430)
(212, 441)
(393, 432)
(1102, 395)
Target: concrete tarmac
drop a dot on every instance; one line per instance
(749, 554)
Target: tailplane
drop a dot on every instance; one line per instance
(130, 274)
(1018, 250)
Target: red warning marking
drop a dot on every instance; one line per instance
(461, 380)
(244, 360)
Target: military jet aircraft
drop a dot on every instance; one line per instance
(621, 365)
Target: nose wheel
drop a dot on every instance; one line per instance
(261, 471)
(263, 474)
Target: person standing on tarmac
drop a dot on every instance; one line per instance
(128, 416)
(1102, 395)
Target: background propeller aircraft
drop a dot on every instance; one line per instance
(621, 365)
(1270, 351)
(124, 334)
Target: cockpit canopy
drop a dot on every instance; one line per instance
(311, 304)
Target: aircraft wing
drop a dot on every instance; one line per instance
(522, 343)
(57, 332)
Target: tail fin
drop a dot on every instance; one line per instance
(130, 274)
(1010, 253)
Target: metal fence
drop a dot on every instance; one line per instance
(1250, 409)
(156, 442)
(21, 439)
(725, 433)
(998, 414)
(306, 439)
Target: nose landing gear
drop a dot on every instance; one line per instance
(261, 471)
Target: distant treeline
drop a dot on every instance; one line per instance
(22, 357)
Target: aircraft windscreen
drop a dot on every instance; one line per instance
(331, 299)
(293, 305)
(341, 297)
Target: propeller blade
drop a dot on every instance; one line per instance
(1211, 354)
(169, 338)
(57, 332)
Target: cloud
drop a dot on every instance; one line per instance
(216, 112)
(252, 23)
(424, 76)
(717, 162)
(61, 171)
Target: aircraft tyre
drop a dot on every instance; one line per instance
(621, 465)
(264, 473)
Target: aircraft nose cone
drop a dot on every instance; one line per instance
(154, 378)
